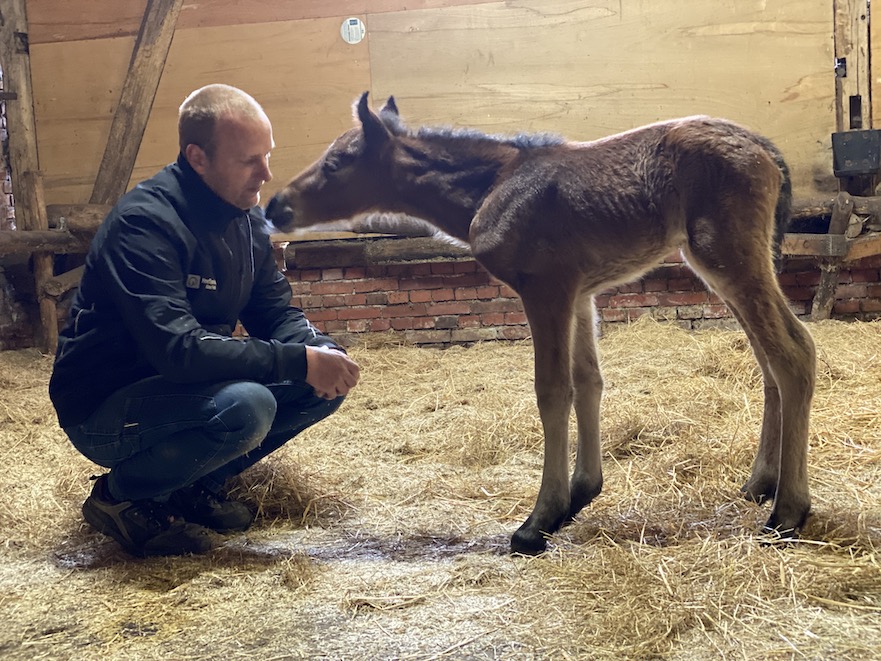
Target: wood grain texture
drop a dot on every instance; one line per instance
(582, 68)
(589, 69)
(136, 100)
(63, 20)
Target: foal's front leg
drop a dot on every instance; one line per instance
(587, 478)
(550, 322)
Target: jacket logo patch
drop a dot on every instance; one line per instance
(197, 281)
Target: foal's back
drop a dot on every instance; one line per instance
(612, 208)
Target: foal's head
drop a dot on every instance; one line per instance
(349, 179)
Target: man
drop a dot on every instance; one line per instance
(148, 379)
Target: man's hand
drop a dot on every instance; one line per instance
(331, 373)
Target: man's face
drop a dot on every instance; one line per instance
(239, 163)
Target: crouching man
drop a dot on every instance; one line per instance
(149, 381)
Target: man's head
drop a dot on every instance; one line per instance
(226, 137)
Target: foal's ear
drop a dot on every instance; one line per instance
(390, 107)
(375, 131)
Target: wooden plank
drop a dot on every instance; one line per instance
(62, 20)
(331, 254)
(814, 245)
(136, 100)
(852, 43)
(864, 246)
(588, 70)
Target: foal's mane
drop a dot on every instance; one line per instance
(396, 126)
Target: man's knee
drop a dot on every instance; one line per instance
(245, 412)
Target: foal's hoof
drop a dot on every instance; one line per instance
(525, 542)
(774, 536)
(758, 494)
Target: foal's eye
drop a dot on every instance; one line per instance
(330, 166)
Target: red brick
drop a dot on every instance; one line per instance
(324, 314)
(681, 284)
(358, 313)
(488, 291)
(377, 298)
(655, 284)
(466, 293)
(493, 319)
(332, 274)
(442, 295)
(851, 291)
(378, 325)
(683, 298)
(336, 287)
(405, 310)
(356, 299)
(514, 332)
(469, 321)
(497, 305)
(506, 292)
(395, 297)
(808, 278)
(614, 314)
(375, 284)
(357, 326)
(633, 300)
(849, 306)
(515, 318)
(355, 273)
(871, 305)
(468, 266)
(310, 275)
(333, 326)
(443, 268)
(446, 321)
(422, 283)
(635, 313)
(799, 293)
(716, 311)
(448, 308)
(864, 275)
(420, 296)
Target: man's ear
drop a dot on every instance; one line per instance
(197, 158)
(375, 132)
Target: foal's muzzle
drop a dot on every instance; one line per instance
(279, 213)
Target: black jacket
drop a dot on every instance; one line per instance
(170, 271)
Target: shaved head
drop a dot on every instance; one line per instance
(198, 114)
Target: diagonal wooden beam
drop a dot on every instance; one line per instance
(136, 100)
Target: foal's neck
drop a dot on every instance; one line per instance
(444, 179)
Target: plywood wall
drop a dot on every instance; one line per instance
(583, 68)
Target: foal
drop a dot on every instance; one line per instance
(559, 221)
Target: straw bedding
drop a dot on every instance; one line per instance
(383, 531)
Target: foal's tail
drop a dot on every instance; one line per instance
(783, 212)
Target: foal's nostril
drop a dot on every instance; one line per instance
(279, 213)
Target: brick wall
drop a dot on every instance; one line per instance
(7, 204)
(457, 301)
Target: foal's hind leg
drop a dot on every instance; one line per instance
(762, 483)
(587, 382)
(744, 277)
(548, 307)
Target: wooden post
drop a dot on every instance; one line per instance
(824, 298)
(23, 161)
(136, 100)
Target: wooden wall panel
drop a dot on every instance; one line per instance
(76, 89)
(302, 72)
(63, 20)
(587, 69)
(583, 68)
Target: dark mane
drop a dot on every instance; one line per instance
(520, 140)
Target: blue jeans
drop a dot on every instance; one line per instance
(156, 436)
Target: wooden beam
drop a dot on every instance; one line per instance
(32, 190)
(814, 245)
(22, 129)
(852, 44)
(35, 241)
(136, 100)
(77, 218)
(329, 254)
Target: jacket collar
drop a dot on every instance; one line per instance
(206, 208)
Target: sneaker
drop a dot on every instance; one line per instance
(200, 505)
(143, 527)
